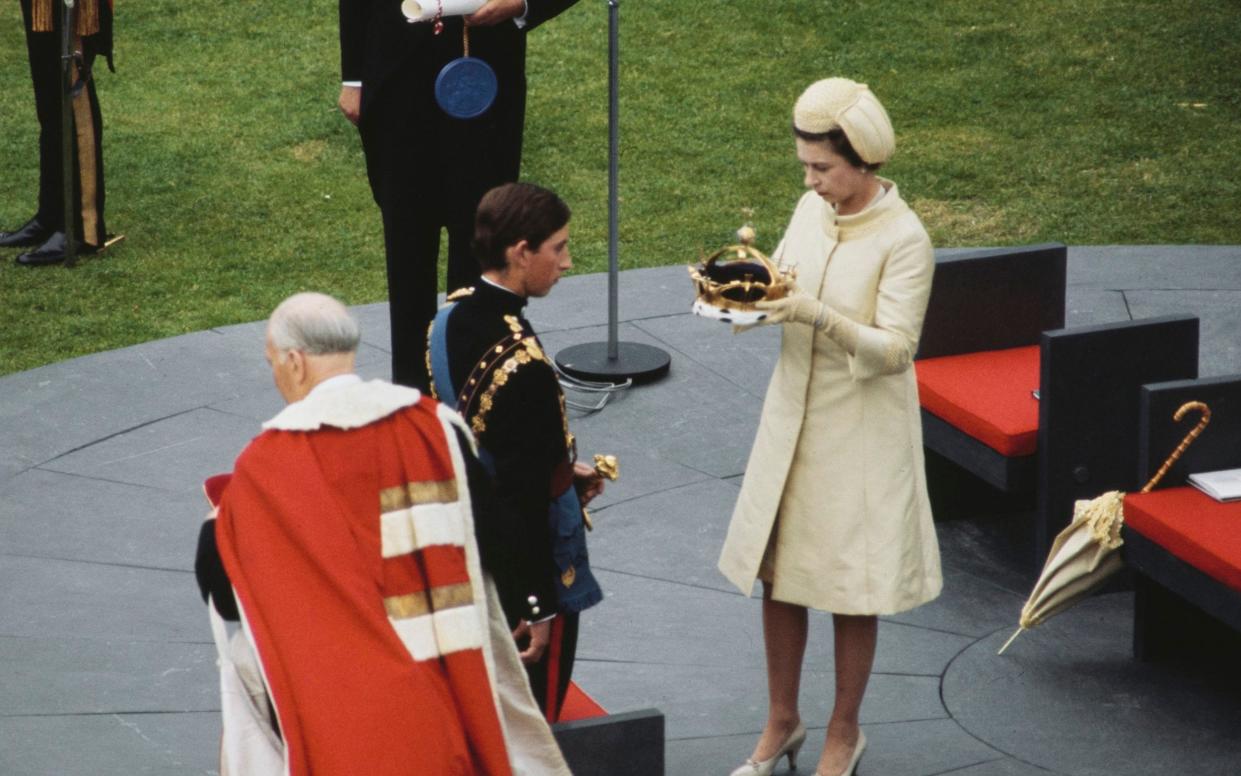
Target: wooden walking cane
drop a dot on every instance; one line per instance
(1189, 438)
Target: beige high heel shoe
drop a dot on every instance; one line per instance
(858, 749)
(790, 747)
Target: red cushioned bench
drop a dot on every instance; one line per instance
(990, 396)
(993, 335)
(1184, 547)
(602, 744)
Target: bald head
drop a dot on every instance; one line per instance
(310, 337)
(316, 324)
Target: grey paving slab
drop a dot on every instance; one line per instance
(65, 676)
(919, 748)
(376, 327)
(1004, 766)
(1090, 306)
(717, 755)
(178, 744)
(49, 598)
(993, 547)
(700, 702)
(173, 454)
(693, 416)
(969, 605)
(1067, 696)
(53, 409)
(263, 403)
(744, 359)
(712, 628)
(673, 535)
(98, 521)
(925, 748)
(1155, 266)
(1217, 310)
(644, 468)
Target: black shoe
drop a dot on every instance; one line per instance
(30, 234)
(52, 252)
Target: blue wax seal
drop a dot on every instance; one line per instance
(466, 88)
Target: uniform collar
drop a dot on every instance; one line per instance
(496, 297)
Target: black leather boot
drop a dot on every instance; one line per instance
(52, 251)
(29, 235)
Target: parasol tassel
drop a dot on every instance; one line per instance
(1011, 639)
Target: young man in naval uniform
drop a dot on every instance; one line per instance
(428, 170)
(486, 361)
(44, 233)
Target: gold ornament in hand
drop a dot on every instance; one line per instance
(607, 466)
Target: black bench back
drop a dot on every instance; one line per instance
(993, 298)
(1088, 415)
(1219, 445)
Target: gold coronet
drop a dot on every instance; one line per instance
(737, 276)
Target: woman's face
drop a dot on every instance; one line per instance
(831, 176)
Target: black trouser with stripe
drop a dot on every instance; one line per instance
(556, 668)
(88, 195)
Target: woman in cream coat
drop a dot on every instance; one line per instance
(833, 512)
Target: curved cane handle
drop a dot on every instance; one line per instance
(1189, 438)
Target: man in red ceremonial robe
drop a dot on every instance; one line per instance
(347, 534)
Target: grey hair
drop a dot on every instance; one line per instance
(316, 324)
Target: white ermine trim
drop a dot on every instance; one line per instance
(438, 524)
(396, 533)
(486, 610)
(418, 635)
(426, 525)
(349, 406)
(457, 629)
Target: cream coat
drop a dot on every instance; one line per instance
(836, 477)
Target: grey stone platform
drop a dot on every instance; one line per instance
(106, 654)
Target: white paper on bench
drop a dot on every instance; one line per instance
(1223, 485)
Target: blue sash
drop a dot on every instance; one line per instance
(576, 587)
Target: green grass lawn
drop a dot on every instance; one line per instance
(237, 182)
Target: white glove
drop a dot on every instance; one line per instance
(800, 307)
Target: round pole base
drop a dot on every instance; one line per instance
(635, 361)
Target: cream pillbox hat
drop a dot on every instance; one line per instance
(839, 103)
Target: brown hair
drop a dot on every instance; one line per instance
(511, 213)
(839, 141)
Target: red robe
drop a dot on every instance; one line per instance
(373, 662)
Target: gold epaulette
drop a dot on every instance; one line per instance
(460, 293)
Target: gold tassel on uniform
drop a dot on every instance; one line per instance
(43, 16)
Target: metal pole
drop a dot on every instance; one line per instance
(613, 177)
(68, 28)
(618, 364)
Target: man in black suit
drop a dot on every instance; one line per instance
(427, 170)
(45, 231)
